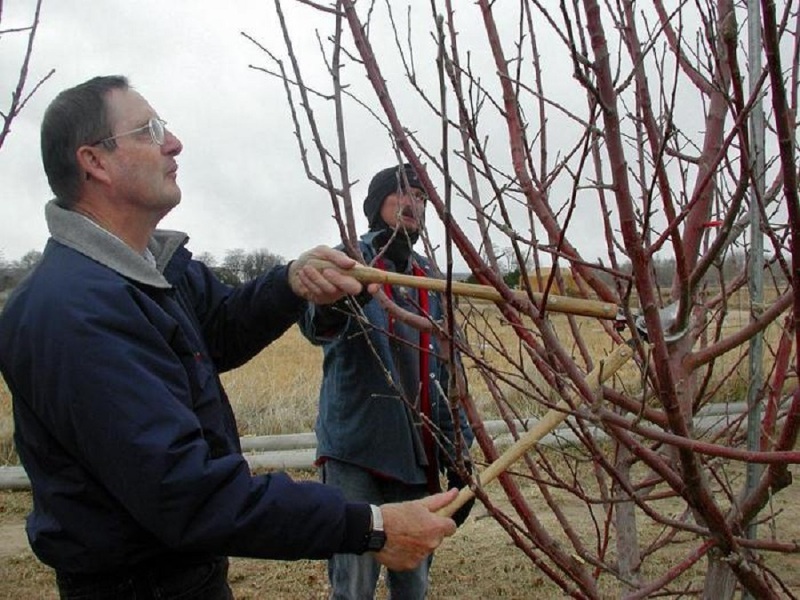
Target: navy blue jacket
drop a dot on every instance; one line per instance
(121, 421)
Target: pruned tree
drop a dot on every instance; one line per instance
(604, 139)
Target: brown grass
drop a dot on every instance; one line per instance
(479, 562)
(277, 393)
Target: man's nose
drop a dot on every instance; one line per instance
(172, 144)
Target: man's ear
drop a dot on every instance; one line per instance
(91, 160)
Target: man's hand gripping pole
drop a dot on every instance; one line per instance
(560, 304)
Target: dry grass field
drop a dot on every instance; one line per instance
(276, 393)
(477, 563)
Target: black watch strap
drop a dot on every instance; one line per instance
(376, 536)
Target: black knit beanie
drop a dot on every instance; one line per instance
(386, 182)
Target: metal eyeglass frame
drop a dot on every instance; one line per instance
(157, 127)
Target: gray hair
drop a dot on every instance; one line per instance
(76, 117)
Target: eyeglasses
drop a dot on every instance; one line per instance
(157, 129)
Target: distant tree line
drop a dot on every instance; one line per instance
(237, 267)
(664, 271)
(240, 266)
(11, 273)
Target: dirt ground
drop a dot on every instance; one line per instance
(479, 562)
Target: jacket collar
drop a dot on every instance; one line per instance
(83, 235)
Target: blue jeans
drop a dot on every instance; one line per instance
(202, 581)
(355, 576)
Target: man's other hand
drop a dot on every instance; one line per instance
(414, 530)
(326, 285)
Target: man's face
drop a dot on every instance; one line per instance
(404, 209)
(144, 174)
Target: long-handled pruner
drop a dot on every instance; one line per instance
(604, 370)
(555, 303)
(576, 306)
(562, 304)
(552, 419)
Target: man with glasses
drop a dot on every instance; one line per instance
(112, 349)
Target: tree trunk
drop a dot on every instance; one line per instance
(720, 583)
(628, 557)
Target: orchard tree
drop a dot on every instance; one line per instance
(604, 139)
(21, 93)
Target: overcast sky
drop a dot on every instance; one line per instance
(242, 179)
(240, 171)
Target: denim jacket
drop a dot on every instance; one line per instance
(369, 396)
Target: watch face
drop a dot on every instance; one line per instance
(376, 541)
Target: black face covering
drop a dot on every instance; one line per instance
(388, 181)
(399, 247)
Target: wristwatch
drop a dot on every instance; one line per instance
(376, 536)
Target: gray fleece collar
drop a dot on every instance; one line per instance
(83, 235)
